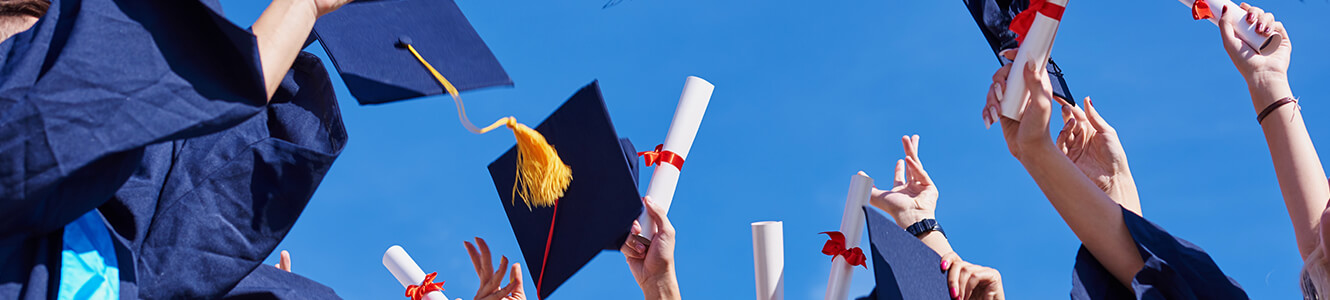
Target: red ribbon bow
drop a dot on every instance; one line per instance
(417, 292)
(836, 246)
(654, 158)
(1022, 22)
(1201, 10)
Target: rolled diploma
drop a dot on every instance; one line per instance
(852, 226)
(1246, 31)
(406, 271)
(769, 260)
(679, 139)
(1037, 45)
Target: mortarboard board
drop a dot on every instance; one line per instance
(366, 42)
(904, 267)
(994, 16)
(595, 213)
(391, 50)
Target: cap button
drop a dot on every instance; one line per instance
(402, 41)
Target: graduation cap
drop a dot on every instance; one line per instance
(391, 50)
(903, 266)
(598, 209)
(994, 16)
(367, 41)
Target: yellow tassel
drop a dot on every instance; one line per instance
(542, 177)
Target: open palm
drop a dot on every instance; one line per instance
(1094, 147)
(913, 196)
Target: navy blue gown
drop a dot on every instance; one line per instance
(153, 113)
(1174, 269)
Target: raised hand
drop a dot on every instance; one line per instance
(1094, 147)
(971, 281)
(913, 196)
(1256, 68)
(490, 279)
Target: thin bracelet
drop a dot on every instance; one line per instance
(1270, 109)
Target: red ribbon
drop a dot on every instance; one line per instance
(417, 292)
(1201, 10)
(1022, 22)
(654, 158)
(836, 247)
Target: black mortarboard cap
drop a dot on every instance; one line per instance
(599, 206)
(993, 17)
(366, 41)
(904, 267)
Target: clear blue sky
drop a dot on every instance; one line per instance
(807, 93)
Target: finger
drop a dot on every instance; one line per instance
(285, 262)
(1279, 28)
(475, 260)
(663, 227)
(514, 282)
(1265, 20)
(1066, 112)
(1227, 33)
(954, 278)
(1039, 109)
(972, 286)
(1001, 74)
(1254, 14)
(1096, 120)
(918, 170)
(914, 148)
(1064, 137)
(963, 282)
(497, 277)
(486, 258)
(517, 277)
(900, 173)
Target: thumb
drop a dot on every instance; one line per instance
(1227, 33)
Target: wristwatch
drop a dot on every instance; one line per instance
(924, 226)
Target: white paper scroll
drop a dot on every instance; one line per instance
(687, 118)
(852, 225)
(1245, 31)
(769, 259)
(406, 271)
(1037, 44)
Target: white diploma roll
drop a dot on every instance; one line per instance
(406, 271)
(769, 259)
(1036, 47)
(1245, 31)
(852, 226)
(687, 118)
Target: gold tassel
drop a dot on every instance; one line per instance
(542, 177)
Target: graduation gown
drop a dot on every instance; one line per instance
(1174, 269)
(153, 113)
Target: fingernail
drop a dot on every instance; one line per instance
(994, 113)
(1223, 11)
(639, 246)
(945, 264)
(953, 293)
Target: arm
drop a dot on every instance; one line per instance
(912, 198)
(1301, 176)
(1094, 217)
(281, 32)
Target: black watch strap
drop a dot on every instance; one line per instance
(924, 226)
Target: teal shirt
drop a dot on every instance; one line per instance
(88, 266)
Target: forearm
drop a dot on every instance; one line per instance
(938, 242)
(1301, 177)
(665, 288)
(281, 32)
(1092, 215)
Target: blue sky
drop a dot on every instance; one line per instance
(807, 93)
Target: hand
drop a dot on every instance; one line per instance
(971, 281)
(653, 266)
(1027, 138)
(1094, 147)
(913, 196)
(490, 279)
(285, 262)
(1256, 68)
(323, 7)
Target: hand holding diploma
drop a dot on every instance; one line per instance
(1263, 67)
(678, 141)
(1037, 26)
(652, 264)
(1259, 38)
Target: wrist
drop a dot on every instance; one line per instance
(1038, 153)
(664, 287)
(1265, 89)
(909, 217)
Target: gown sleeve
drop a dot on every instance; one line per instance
(232, 196)
(95, 81)
(269, 283)
(1174, 269)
